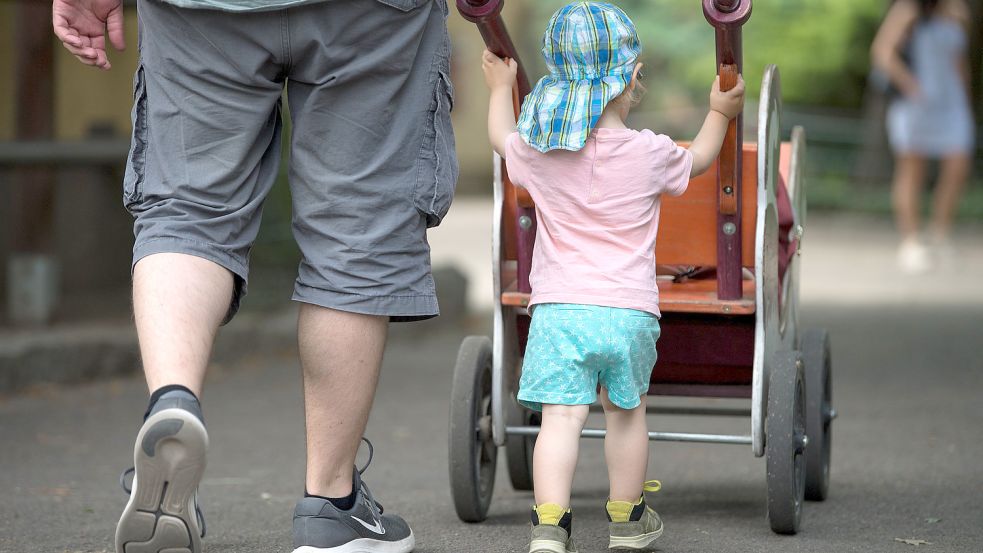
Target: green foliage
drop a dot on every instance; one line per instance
(820, 46)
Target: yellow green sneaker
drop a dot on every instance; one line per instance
(634, 525)
(551, 529)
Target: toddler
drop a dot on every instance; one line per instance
(595, 305)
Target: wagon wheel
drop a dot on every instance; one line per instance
(518, 449)
(769, 337)
(785, 442)
(819, 411)
(473, 454)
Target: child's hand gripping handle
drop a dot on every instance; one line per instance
(519, 236)
(727, 162)
(487, 15)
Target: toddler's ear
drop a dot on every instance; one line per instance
(636, 75)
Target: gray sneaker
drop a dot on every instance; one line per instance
(643, 527)
(168, 462)
(552, 538)
(320, 527)
(547, 538)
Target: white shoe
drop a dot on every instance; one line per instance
(914, 258)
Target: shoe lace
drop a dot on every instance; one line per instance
(198, 513)
(365, 467)
(371, 503)
(651, 486)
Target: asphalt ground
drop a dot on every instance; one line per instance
(907, 447)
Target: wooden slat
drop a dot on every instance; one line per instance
(695, 296)
(688, 223)
(700, 296)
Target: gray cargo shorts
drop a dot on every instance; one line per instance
(372, 160)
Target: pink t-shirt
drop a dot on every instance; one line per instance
(598, 215)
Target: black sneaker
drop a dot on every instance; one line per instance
(168, 462)
(320, 527)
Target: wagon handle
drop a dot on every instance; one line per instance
(727, 18)
(727, 163)
(726, 6)
(518, 210)
(487, 15)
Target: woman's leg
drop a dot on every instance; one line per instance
(909, 178)
(555, 456)
(953, 175)
(626, 449)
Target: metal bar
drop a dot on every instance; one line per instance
(654, 436)
(46, 152)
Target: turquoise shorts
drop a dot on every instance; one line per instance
(573, 349)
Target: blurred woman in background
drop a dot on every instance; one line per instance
(922, 48)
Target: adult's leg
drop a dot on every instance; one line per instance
(364, 131)
(953, 175)
(340, 354)
(909, 178)
(179, 301)
(555, 456)
(626, 449)
(204, 154)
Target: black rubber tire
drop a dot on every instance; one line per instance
(473, 458)
(518, 449)
(819, 411)
(784, 434)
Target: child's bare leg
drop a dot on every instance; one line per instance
(555, 456)
(626, 449)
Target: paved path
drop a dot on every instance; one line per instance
(906, 462)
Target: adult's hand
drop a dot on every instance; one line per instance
(81, 25)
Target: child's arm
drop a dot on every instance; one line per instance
(724, 106)
(500, 77)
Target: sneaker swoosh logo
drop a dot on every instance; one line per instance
(377, 527)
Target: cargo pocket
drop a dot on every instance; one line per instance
(136, 161)
(437, 168)
(404, 5)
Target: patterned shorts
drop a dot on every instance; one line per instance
(573, 349)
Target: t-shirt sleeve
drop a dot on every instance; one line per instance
(516, 160)
(679, 163)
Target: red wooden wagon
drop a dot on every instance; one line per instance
(730, 316)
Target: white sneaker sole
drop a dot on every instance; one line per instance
(169, 458)
(634, 542)
(548, 546)
(365, 545)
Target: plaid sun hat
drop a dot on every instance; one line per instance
(590, 50)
